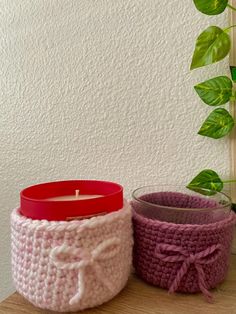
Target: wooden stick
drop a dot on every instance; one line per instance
(232, 62)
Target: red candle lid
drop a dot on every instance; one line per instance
(35, 202)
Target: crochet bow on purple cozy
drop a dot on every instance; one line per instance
(173, 254)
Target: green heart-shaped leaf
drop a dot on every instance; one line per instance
(216, 91)
(212, 45)
(218, 124)
(206, 179)
(211, 7)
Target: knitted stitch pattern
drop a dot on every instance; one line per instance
(182, 257)
(69, 266)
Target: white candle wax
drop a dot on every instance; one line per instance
(74, 197)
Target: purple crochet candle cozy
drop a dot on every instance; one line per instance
(190, 255)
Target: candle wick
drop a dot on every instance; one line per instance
(76, 193)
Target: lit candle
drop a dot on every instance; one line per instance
(67, 200)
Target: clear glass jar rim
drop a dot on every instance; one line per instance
(228, 198)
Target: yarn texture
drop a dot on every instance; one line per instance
(70, 266)
(186, 257)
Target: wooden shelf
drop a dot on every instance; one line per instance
(141, 298)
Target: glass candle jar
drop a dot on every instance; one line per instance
(182, 238)
(180, 205)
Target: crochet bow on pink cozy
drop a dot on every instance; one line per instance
(70, 258)
(173, 254)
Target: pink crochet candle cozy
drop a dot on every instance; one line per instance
(69, 266)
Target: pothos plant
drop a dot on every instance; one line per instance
(213, 45)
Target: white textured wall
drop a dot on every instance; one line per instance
(100, 90)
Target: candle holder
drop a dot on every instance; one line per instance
(63, 200)
(66, 266)
(182, 239)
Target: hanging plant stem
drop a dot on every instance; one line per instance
(229, 181)
(228, 28)
(231, 7)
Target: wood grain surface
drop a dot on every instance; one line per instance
(141, 298)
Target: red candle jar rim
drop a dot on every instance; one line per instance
(35, 203)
